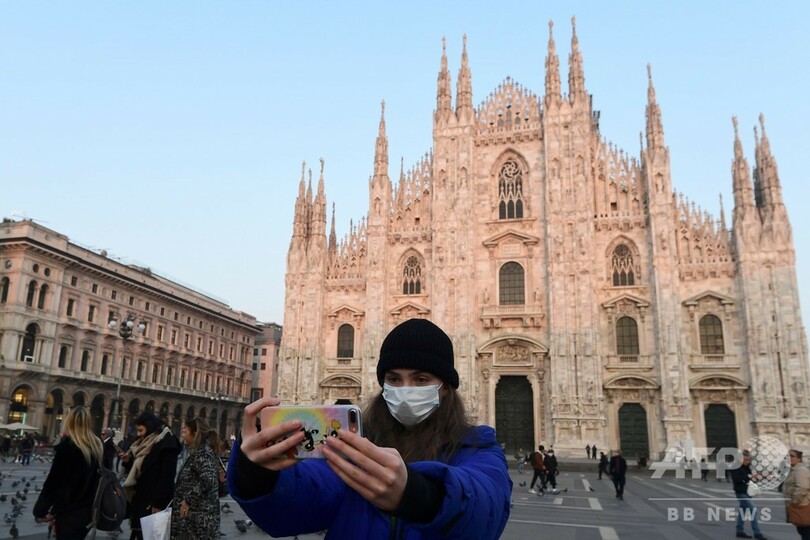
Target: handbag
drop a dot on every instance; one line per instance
(157, 526)
(753, 489)
(799, 514)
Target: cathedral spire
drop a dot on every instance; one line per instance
(299, 217)
(655, 129)
(743, 194)
(381, 148)
(552, 70)
(443, 98)
(766, 173)
(332, 235)
(464, 106)
(576, 75)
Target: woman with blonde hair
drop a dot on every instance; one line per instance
(195, 509)
(67, 494)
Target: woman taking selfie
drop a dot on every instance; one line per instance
(67, 494)
(195, 509)
(421, 470)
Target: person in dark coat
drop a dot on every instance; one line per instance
(603, 464)
(151, 464)
(618, 469)
(741, 477)
(68, 492)
(110, 450)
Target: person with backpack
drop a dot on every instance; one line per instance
(195, 509)
(539, 466)
(66, 499)
(150, 464)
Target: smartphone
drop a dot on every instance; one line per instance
(317, 422)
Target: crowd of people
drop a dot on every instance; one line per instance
(157, 470)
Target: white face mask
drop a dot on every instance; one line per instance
(411, 404)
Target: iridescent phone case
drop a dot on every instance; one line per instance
(317, 422)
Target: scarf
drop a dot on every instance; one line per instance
(139, 450)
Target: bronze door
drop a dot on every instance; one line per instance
(721, 428)
(514, 418)
(633, 437)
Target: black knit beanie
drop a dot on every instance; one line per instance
(418, 344)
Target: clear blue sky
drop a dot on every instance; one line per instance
(172, 133)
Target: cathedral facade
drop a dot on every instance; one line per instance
(587, 301)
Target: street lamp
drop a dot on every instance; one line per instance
(219, 397)
(125, 330)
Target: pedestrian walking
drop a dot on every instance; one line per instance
(593, 452)
(520, 457)
(797, 494)
(67, 495)
(550, 461)
(26, 448)
(704, 470)
(741, 477)
(587, 451)
(618, 471)
(538, 464)
(150, 463)
(195, 509)
(603, 464)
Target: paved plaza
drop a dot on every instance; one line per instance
(667, 508)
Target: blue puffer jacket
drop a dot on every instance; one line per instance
(309, 497)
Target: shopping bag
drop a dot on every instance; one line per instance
(157, 526)
(753, 490)
(799, 515)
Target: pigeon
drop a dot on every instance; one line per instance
(24, 497)
(15, 483)
(590, 489)
(242, 524)
(522, 484)
(3, 498)
(14, 501)
(7, 519)
(226, 509)
(13, 531)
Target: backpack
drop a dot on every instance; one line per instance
(109, 504)
(537, 461)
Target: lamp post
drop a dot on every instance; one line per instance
(218, 398)
(125, 330)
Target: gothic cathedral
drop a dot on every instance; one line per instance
(588, 303)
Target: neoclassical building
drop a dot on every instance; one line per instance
(588, 302)
(186, 354)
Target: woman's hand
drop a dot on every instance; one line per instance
(265, 447)
(184, 509)
(377, 474)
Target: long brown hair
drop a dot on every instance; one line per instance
(437, 437)
(202, 433)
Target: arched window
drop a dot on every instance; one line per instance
(622, 264)
(4, 285)
(511, 284)
(510, 191)
(711, 335)
(63, 352)
(43, 292)
(626, 337)
(32, 291)
(345, 344)
(412, 276)
(29, 343)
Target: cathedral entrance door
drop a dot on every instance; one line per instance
(514, 420)
(721, 428)
(633, 438)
